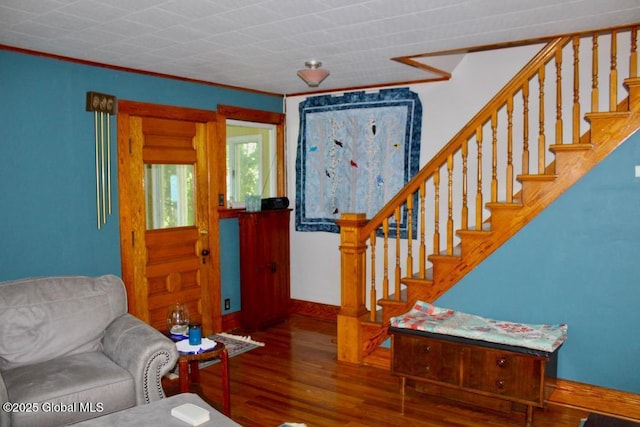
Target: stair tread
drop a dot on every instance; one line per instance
(414, 276)
(392, 300)
(513, 205)
(457, 250)
(537, 177)
(606, 114)
(486, 228)
(570, 147)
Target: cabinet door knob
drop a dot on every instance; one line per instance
(426, 369)
(501, 362)
(273, 267)
(500, 384)
(426, 348)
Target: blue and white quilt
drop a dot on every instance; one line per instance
(355, 152)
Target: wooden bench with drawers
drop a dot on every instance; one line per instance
(492, 375)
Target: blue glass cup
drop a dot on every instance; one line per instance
(195, 334)
(253, 203)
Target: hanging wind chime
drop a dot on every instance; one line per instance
(103, 107)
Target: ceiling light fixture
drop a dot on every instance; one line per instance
(313, 75)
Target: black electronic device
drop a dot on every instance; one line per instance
(275, 203)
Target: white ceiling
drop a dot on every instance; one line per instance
(259, 44)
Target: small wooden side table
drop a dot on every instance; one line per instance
(189, 370)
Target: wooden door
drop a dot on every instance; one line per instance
(169, 238)
(276, 232)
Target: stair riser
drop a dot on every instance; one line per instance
(633, 87)
(567, 161)
(535, 190)
(605, 126)
(443, 268)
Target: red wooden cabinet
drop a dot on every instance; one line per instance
(264, 267)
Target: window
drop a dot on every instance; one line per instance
(169, 196)
(251, 161)
(243, 122)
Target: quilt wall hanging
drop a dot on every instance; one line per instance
(355, 152)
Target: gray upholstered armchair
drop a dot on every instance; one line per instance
(69, 351)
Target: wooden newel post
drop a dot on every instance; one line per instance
(352, 283)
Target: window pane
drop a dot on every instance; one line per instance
(169, 196)
(251, 163)
(247, 169)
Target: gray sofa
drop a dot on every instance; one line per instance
(69, 351)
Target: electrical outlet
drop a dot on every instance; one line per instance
(227, 303)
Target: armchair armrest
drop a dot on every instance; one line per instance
(5, 417)
(143, 351)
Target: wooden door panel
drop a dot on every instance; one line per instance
(166, 264)
(178, 243)
(173, 254)
(280, 292)
(169, 141)
(168, 128)
(175, 266)
(155, 155)
(176, 142)
(161, 285)
(158, 316)
(177, 250)
(172, 282)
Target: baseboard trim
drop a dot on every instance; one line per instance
(314, 309)
(232, 321)
(602, 400)
(304, 308)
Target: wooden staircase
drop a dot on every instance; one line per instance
(517, 191)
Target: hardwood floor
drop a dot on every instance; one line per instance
(296, 378)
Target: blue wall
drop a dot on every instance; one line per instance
(230, 264)
(47, 172)
(576, 263)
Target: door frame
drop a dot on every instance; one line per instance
(129, 250)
